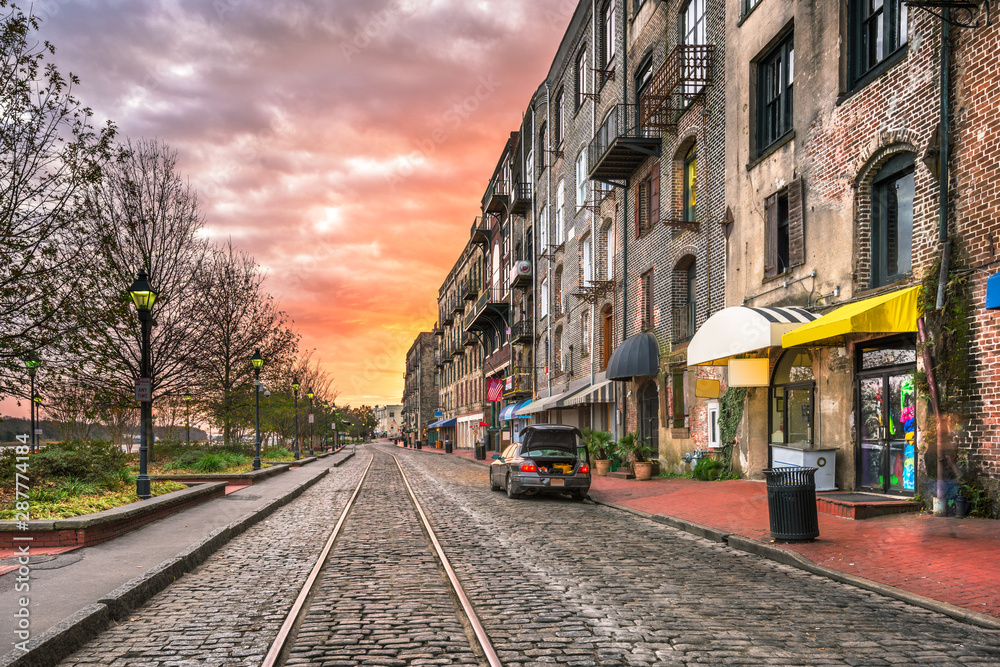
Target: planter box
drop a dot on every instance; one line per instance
(91, 529)
(680, 433)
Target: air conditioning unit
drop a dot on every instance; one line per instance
(520, 274)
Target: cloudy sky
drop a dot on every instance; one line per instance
(345, 143)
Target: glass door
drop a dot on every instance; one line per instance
(887, 432)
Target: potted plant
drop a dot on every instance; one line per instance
(598, 445)
(642, 452)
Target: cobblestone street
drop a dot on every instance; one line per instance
(553, 581)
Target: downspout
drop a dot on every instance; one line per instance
(593, 216)
(548, 262)
(943, 435)
(624, 43)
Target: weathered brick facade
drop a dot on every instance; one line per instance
(420, 396)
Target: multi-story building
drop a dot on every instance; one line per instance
(834, 172)
(460, 355)
(420, 394)
(390, 420)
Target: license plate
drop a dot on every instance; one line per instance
(557, 482)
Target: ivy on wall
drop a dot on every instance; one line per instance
(730, 415)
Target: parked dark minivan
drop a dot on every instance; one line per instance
(549, 459)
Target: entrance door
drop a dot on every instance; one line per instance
(887, 432)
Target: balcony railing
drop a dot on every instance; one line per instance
(491, 306)
(681, 79)
(469, 289)
(621, 145)
(481, 231)
(683, 322)
(520, 201)
(518, 382)
(496, 197)
(521, 332)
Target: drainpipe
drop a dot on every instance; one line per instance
(944, 444)
(548, 262)
(625, 230)
(593, 216)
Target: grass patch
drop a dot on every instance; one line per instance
(278, 454)
(76, 498)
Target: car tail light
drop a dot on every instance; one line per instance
(528, 467)
(584, 468)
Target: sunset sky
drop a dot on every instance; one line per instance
(345, 143)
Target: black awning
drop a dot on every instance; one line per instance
(637, 356)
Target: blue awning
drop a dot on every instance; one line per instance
(443, 423)
(510, 412)
(993, 292)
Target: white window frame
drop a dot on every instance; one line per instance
(610, 249)
(560, 212)
(588, 260)
(713, 434)
(582, 182)
(543, 298)
(543, 230)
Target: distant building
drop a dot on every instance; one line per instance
(420, 395)
(390, 420)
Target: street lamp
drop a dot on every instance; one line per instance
(187, 421)
(144, 296)
(326, 439)
(257, 362)
(310, 395)
(32, 364)
(295, 391)
(37, 404)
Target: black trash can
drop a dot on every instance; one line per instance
(447, 446)
(419, 446)
(480, 451)
(791, 503)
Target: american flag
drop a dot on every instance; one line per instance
(495, 391)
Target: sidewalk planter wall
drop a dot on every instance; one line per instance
(240, 479)
(91, 529)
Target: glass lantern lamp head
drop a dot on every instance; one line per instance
(257, 361)
(32, 364)
(37, 399)
(142, 293)
(295, 385)
(187, 398)
(310, 394)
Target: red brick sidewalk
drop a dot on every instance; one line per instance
(945, 559)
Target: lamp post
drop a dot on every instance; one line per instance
(295, 392)
(187, 420)
(144, 296)
(310, 395)
(257, 362)
(32, 364)
(36, 401)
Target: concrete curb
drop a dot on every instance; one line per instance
(793, 559)
(347, 458)
(64, 638)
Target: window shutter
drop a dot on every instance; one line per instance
(796, 228)
(638, 210)
(654, 196)
(771, 236)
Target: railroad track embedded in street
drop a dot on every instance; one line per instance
(382, 585)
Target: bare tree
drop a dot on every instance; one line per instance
(49, 155)
(144, 215)
(242, 318)
(72, 409)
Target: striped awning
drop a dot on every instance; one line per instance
(510, 412)
(596, 393)
(741, 329)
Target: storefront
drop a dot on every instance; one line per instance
(511, 422)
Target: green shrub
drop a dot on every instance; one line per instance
(276, 454)
(210, 463)
(90, 462)
(707, 469)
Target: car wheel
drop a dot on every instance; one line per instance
(510, 490)
(493, 485)
(579, 495)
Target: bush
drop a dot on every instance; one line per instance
(707, 469)
(277, 454)
(89, 462)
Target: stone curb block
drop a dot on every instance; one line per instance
(347, 458)
(796, 560)
(62, 639)
(50, 647)
(793, 559)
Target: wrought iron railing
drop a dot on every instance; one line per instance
(682, 77)
(621, 123)
(684, 322)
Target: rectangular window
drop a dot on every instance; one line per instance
(690, 185)
(714, 439)
(748, 6)
(543, 230)
(775, 75)
(647, 300)
(543, 301)
(586, 260)
(892, 222)
(560, 212)
(582, 181)
(693, 22)
(557, 120)
(642, 207)
(878, 29)
(609, 247)
(543, 154)
(784, 233)
(581, 78)
(608, 30)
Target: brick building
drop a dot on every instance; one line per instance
(420, 394)
(459, 358)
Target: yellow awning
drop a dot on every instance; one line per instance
(895, 312)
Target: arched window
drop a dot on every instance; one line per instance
(792, 389)
(892, 221)
(690, 185)
(557, 291)
(607, 321)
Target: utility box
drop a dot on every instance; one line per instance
(824, 460)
